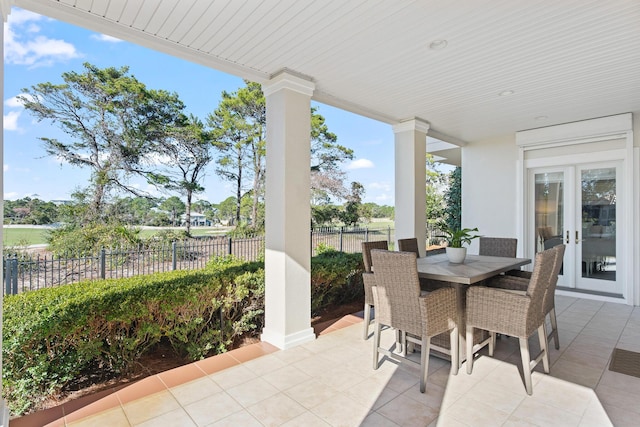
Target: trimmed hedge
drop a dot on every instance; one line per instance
(53, 336)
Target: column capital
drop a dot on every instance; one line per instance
(286, 79)
(411, 125)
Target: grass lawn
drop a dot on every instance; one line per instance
(23, 236)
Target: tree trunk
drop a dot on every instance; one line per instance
(188, 212)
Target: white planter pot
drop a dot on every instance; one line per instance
(456, 255)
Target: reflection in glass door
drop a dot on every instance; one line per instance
(549, 223)
(598, 236)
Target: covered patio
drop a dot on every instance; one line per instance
(500, 87)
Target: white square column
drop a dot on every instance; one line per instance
(288, 212)
(410, 180)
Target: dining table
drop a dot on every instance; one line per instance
(473, 271)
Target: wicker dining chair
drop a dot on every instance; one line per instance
(498, 246)
(427, 285)
(409, 245)
(401, 305)
(519, 281)
(368, 295)
(514, 314)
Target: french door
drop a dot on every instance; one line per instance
(580, 206)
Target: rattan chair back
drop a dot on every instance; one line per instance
(409, 245)
(366, 252)
(498, 246)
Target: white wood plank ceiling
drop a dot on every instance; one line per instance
(564, 60)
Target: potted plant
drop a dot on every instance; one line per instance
(456, 238)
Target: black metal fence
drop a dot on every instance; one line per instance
(26, 271)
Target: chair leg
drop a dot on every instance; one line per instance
(424, 362)
(376, 344)
(554, 328)
(367, 320)
(469, 349)
(455, 351)
(492, 343)
(526, 365)
(544, 346)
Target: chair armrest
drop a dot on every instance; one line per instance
(497, 310)
(369, 282)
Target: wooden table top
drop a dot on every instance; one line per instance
(474, 268)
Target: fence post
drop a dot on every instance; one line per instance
(14, 276)
(230, 249)
(389, 233)
(103, 263)
(341, 237)
(366, 234)
(174, 256)
(7, 275)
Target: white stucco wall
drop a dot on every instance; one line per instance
(490, 187)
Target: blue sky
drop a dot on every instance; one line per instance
(39, 49)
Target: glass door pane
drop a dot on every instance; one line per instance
(598, 206)
(549, 209)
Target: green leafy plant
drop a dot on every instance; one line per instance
(456, 237)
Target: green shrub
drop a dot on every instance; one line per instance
(336, 278)
(54, 336)
(88, 239)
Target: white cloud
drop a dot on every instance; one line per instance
(5, 167)
(24, 45)
(383, 199)
(10, 120)
(360, 164)
(14, 102)
(11, 195)
(105, 38)
(381, 186)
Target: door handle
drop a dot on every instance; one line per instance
(567, 237)
(578, 240)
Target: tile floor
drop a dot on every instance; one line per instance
(330, 382)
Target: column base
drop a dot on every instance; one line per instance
(284, 342)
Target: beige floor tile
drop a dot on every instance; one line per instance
(292, 355)
(232, 377)
(405, 411)
(341, 411)
(176, 418)
(595, 415)
(312, 393)
(239, 419)
(212, 408)
(286, 377)
(195, 390)
(371, 392)
(432, 396)
(276, 410)
(472, 412)
(149, 407)
(496, 396)
(612, 396)
(621, 417)
(627, 383)
(376, 420)
(264, 365)
(564, 395)
(306, 419)
(113, 418)
(582, 375)
(545, 415)
(252, 391)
